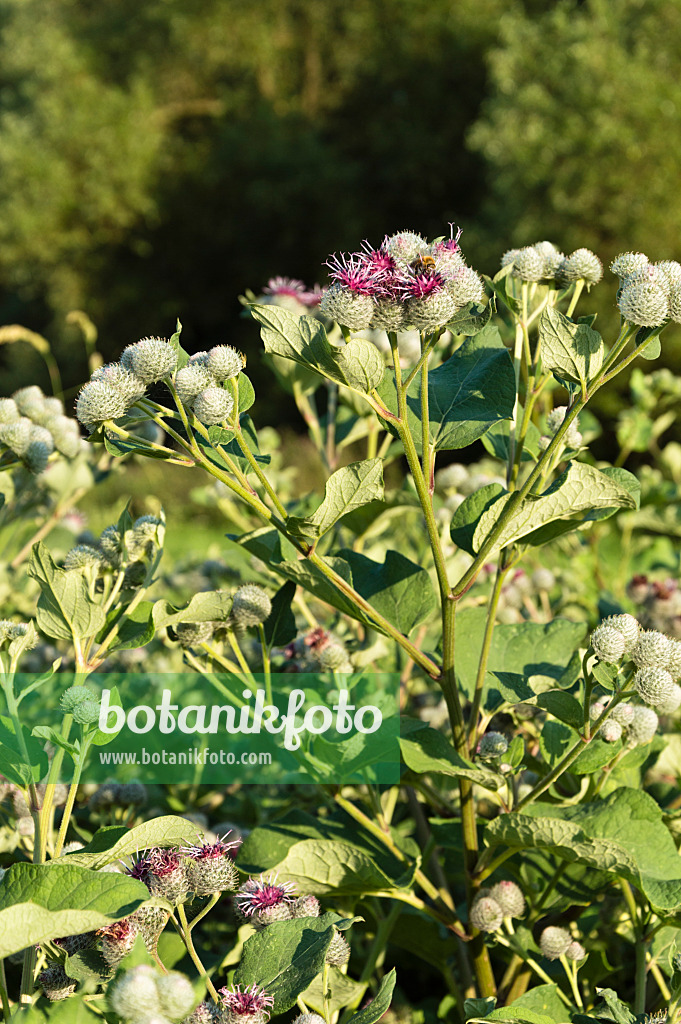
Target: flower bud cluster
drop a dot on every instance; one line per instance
(557, 942)
(117, 794)
(650, 293)
(407, 282)
(491, 906)
(134, 551)
(491, 745)
(142, 993)
(317, 651)
(33, 426)
(543, 261)
(199, 384)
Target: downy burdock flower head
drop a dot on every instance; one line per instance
(668, 275)
(42, 435)
(338, 952)
(389, 314)
(492, 744)
(654, 686)
(673, 702)
(30, 401)
(143, 538)
(17, 435)
(117, 940)
(508, 258)
(305, 906)
(429, 304)
(642, 301)
(151, 359)
(611, 731)
(250, 1005)
(528, 264)
(287, 292)
(627, 625)
(190, 634)
(575, 951)
(581, 265)
(134, 995)
(36, 457)
(334, 657)
(176, 994)
(205, 1013)
(554, 942)
(75, 695)
(251, 605)
(99, 401)
(224, 362)
(510, 898)
(65, 434)
(405, 246)
(673, 664)
(86, 712)
(543, 579)
(83, 556)
(308, 1018)
(151, 921)
(608, 644)
(465, 286)
(675, 303)
(652, 649)
(627, 263)
(448, 257)
(9, 412)
(552, 257)
(111, 545)
(623, 713)
(643, 726)
(117, 376)
(351, 309)
(210, 866)
(165, 874)
(555, 419)
(213, 406)
(191, 380)
(486, 914)
(263, 900)
(10, 631)
(55, 983)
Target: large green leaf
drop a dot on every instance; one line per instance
(65, 609)
(426, 750)
(136, 628)
(40, 902)
(343, 991)
(581, 488)
(374, 1010)
(286, 957)
(572, 351)
(347, 489)
(540, 653)
(469, 392)
(280, 625)
(358, 365)
(12, 764)
(116, 841)
(623, 834)
(467, 516)
(209, 605)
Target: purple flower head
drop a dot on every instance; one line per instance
(260, 893)
(422, 283)
(141, 867)
(214, 851)
(285, 286)
(163, 862)
(355, 273)
(312, 297)
(380, 260)
(119, 931)
(248, 1002)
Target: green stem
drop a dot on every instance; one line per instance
(641, 975)
(206, 910)
(538, 970)
(579, 285)
(265, 663)
(485, 652)
(571, 975)
(6, 1011)
(71, 799)
(325, 992)
(425, 424)
(186, 935)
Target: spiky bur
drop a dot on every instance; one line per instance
(627, 625)
(673, 665)
(166, 875)
(83, 556)
(264, 900)
(134, 994)
(210, 868)
(29, 401)
(581, 265)
(431, 310)
(117, 940)
(151, 359)
(189, 634)
(627, 263)
(528, 264)
(87, 712)
(654, 686)
(308, 1018)
(554, 942)
(123, 380)
(338, 953)
(250, 1005)
(205, 1013)
(9, 411)
(334, 657)
(56, 984)
(99, 401)
(552, 257)
(10, 631)
(543, 579)
(623, 713)
(213, 406)
(651, 650)
(251, 605)
(16, 436)
(611, 731)
(191, 380)
(492, 744)
(465, 286)
(608, 644)
(672, 703)
(642, 727)
(642, 301)
(305, 906)
(176, 994)
(405, 246)
(388, 315)
(74, 696)
(486, 914)
(151, 921)
(347, 308)
(510, 898)
(224, 362)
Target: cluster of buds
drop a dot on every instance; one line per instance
(117, 794)
(544, 262)
(492, 906)
(316, 651)
(633, 722)
(82, 703)
(292, 294)
(407, 282)
(572, 438)
(649, 293)
(202, 869)
(133, 550)
(199, 384)
(557, 942)
(659, 602)
(143, 994)
(33, 426)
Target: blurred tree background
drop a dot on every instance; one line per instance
(157, 158)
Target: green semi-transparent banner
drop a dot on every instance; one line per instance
(216, 729)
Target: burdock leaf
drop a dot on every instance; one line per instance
(346, 490)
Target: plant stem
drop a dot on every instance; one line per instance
(571, 975)
(187, 939)
(265, 663)
(579, 285)
(538, 970)
(641, 975)
(71, 799)
(325, 992)
(485, 652)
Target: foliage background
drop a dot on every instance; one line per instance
(157, 159)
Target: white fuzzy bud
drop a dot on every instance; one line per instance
(642, 301)
(251, 605)
(528, 264)
(575, 951)
(627, 263)
(388, 315)
(669, 275)
(582, 264)
(117, 376)
(608, 644)
(673, 702)
(224, 362)
(347, 307)
(36, 457)
(508, 259)
(510, 898)
(83, 556)
(611, 731)
(654, 685)
(333, 656)
(596, 709)
(213, 406)
(543, 579)
(309, 1018)
(492, 744)
(176, 994)
(651, 649)
(30, 401)
(99, 401)
(405, 246)
(16, 436)
(623, 713)
(190, 634)
(43, 435)
(486, 915)
(643, 726)
(627, 625)
(673, 664)
(465, 286)
(134, 993)
(150, 359)
(431, 311)
(554, 942)
(191, 380)
(551, 256)
(9, 412)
